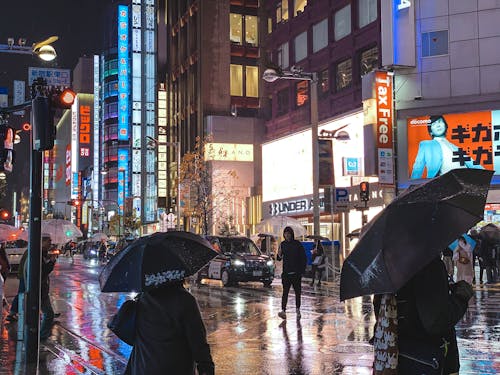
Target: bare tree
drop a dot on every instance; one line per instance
(206, 192)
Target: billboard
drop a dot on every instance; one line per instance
(123, 74)
(437, 144)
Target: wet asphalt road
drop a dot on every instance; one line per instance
(245, 334)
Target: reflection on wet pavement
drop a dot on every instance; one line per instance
(245, 334)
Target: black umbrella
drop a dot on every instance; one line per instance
(156, 260)
(412, 230)
(491, 233)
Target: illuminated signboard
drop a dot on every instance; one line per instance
(122, 178)
(228, 152)
(84, 133)
(123, 74)
(437, 144)
(53, 77)
(383, 95)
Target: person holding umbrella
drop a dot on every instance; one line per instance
(294, 259)
(169, 336)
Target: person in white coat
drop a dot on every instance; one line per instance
(463, 259)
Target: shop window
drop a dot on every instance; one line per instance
(235, 28)
(342, 22)
(300, 46)
(298, 7)
(320, 35)
(435, 43)
(343, 75)
(367, 12)
(323, 83)
(283, 56)
(368, 61)
(236, 80)
(282, 11)
(252, 81)
(301, 93)
(282, 102)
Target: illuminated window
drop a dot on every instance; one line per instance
(343, 74)
(269, 25)
(283, 56)
(367, 12)
(323, 83)
(282, 11)
(300, 46)
(282, 99)
(235, 28)
(435, 43)
(343, 22)
(299, 7)
(236, 80)
(320, 35)
(301, 93)
(251, 30)
(368, 60)
(252, 81)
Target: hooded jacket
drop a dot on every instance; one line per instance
(293, 255)
(170, 335)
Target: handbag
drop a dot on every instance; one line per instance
(122, 324)
(462, 258)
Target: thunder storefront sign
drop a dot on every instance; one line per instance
(437, 144)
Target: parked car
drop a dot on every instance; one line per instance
(15, 251)
(239, 260)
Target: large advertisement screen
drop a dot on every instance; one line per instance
(437, 144)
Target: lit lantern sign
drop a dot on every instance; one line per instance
(228, 152)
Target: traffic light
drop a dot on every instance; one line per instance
(62, 99)
(43, 109)
(364, 191)
(4, 214)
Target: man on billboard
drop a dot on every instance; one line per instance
(439, 155)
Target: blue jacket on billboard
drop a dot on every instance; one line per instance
(438, 154)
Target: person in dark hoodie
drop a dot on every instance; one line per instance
(170, 337)
(294, 259)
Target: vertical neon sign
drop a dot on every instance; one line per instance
(122, 178)
(123, 73)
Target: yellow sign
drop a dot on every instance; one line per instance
(228, 152)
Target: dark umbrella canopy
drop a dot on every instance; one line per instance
(156, 260)
(412, 230)
(491, 233)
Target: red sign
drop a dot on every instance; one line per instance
(383, 94)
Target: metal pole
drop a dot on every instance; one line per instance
(178, 147)
(315, 152)
(34, 261)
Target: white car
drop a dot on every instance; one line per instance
(15, 251)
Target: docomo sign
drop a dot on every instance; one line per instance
(383, 94)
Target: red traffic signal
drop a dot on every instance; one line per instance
(74, 202)
(364, 191)
(4, 214)
(63, 99)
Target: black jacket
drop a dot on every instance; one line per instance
(428, 312)
(293, 255)
(170, 335)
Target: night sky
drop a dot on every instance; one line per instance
(78, 24)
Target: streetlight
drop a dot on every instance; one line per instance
(178, 149)
(41, 49)
(296, 73)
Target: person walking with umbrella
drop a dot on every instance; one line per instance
(294, 259)
(169, 336)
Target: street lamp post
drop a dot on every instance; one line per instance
(178, 157)
(296, 73)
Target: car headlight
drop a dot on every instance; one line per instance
(238, 262)
(93, 252)
(269, 263)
